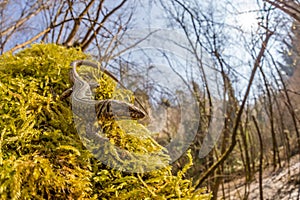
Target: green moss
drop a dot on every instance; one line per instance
(41, 155)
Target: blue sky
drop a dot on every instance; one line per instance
(150, 15)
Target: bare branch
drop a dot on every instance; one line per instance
(76, 25)
(88, 41)
(239, 114)
(289, 7)
(93, 23)
(30, 41)
(22, 20)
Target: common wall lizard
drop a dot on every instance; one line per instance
(90, 110)
(84, 106)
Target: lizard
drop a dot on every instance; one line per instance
(90, 110)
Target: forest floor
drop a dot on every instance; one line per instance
(281, 184)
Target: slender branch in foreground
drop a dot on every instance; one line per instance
(29, 41)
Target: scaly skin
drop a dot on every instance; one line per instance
(85, 107)
(90, 110)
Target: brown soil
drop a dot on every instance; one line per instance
(282, 184)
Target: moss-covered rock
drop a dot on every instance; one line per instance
(41, 154)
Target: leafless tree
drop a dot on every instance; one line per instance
(100, 27)
(204, 29)
(89, 24)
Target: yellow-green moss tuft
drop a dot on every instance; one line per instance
(41, 155)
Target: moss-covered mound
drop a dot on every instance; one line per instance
(41, 154)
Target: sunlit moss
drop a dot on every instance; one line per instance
(41, 155)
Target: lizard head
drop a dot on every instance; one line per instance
(119, 109)
(123, 110)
